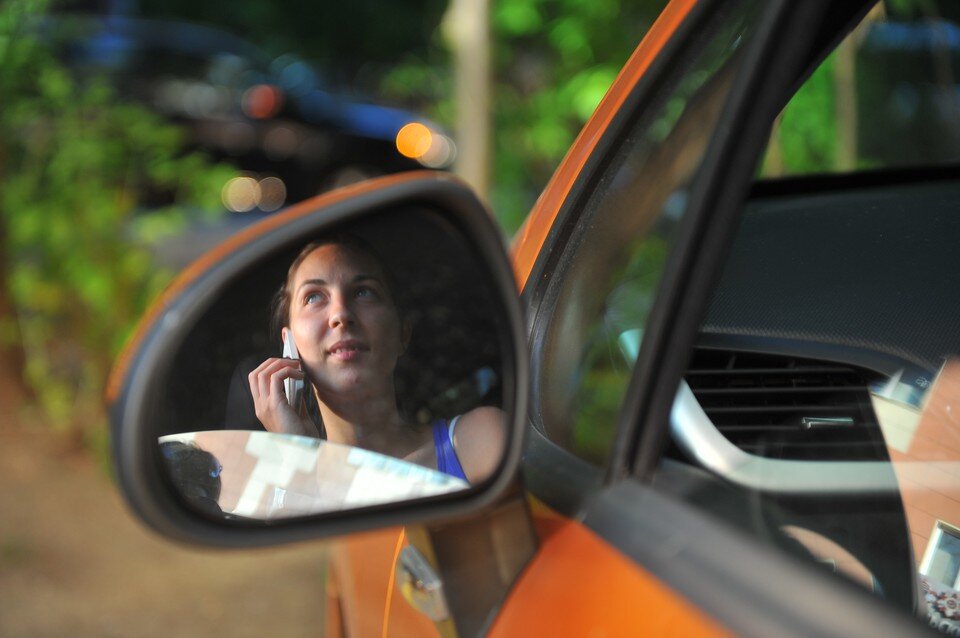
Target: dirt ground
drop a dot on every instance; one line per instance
(74, 562)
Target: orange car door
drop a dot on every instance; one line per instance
(615, 266)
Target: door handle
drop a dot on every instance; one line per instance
(420, 585)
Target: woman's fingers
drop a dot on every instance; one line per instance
(279, 376)
(270, 400)
(266, 381)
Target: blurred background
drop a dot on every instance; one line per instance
(137, 134)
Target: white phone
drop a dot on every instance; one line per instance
(292, 387)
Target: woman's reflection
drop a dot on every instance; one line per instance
(341, 308)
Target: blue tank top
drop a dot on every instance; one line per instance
(447, 461)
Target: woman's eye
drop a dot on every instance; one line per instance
(312, 297)
(365, 292)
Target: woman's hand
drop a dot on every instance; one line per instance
(270, 400)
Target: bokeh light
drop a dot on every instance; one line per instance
(241, 194)
(414, 140)
(273, 193)
(262, 101)
(441, 153)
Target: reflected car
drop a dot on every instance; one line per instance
(272, 118)
(725, 341)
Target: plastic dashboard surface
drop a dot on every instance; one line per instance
(868, 276)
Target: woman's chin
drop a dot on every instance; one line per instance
(348, 383)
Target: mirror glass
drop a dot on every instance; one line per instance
(360, 365)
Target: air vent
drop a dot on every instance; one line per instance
(787, 407)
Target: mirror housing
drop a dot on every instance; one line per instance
(138, 385)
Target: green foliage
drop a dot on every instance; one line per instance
(609, 361)
(74, 164)
(808, 127)
(553, 62)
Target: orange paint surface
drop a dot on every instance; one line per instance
(577, 585)
(361, 564)
(531, 236)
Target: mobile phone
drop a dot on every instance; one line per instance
(292, 387)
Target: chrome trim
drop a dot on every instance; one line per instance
(699, 438)
(420, 584)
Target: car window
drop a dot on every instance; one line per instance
(820, 411)
(610, 269)
(885, 98)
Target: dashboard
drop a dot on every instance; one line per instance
(834, 317)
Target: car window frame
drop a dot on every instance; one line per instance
(540, 296)
(721, 188)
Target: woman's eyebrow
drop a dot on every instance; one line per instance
(312, 282)
(356, 279)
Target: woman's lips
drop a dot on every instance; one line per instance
(346, 350)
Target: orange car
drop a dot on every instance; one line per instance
(724, 402)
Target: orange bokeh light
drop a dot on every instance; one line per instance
(414, 140)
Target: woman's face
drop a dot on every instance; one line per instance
(345, 323)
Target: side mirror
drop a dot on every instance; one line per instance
(407, 325)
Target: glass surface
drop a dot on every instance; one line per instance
(618, 252)
(357, 367)
(885, 98)
(945, 560)
(827, 375)
(244, 475)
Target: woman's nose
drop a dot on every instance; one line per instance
(340, 311)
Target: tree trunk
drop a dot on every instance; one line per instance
(846, 92)
(467, 30)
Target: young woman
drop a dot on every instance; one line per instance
(339, 305)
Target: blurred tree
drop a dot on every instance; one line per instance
(73, 164)
(553, 60)
(467, 31)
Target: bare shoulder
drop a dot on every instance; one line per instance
(478, 440)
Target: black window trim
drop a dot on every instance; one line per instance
(709, 226)
(539, 296)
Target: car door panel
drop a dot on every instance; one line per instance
(368, 594)
(600, 591)
(636, 520)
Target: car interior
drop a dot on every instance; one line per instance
(826, 354)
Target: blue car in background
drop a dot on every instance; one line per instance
(272, 118)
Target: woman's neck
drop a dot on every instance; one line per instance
(373, 425)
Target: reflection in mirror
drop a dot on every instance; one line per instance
(271, 476)
(356, 367)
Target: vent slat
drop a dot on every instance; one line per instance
(785, 427)
(769, 371)
(780, 390)
(785, 409)
(757, 402)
